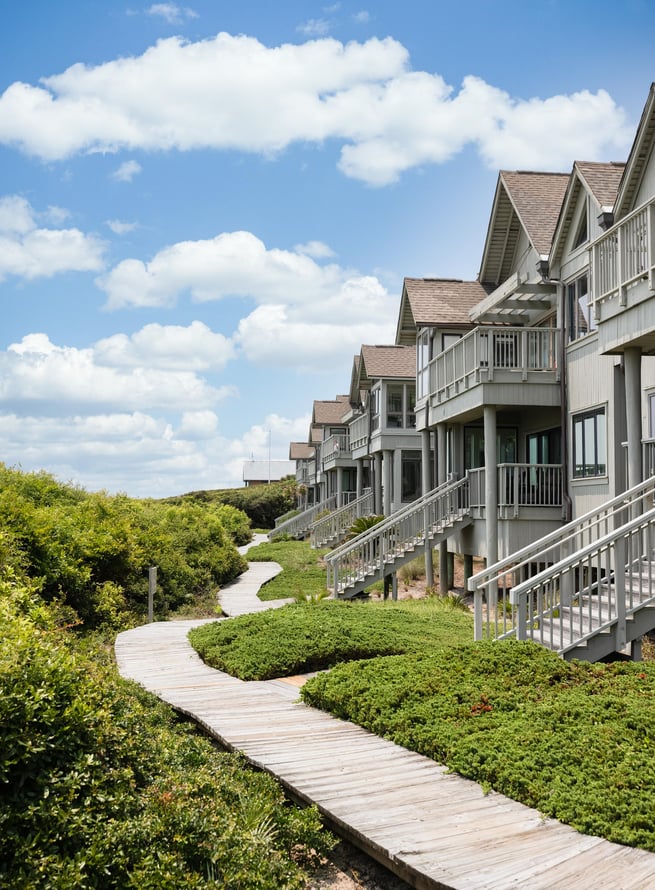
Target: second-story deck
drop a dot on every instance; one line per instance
(494, 365)
(623, 281)
(335, 451)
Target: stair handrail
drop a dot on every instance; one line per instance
(303, 520)
(388, 520)
(557, 568)
(520, 594)
(562, 535)
(453, 493)
(352, 509)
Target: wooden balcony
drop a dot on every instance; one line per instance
(623, 281)
(495, 365)
(520, 487)
(335, 451)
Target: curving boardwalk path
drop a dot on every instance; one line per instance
(433, 829)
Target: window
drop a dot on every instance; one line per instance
(582, 234)
(544, 448)
(375, 408)
(410, 475)
(422, 363)
(401, 404)
(506, 440)
(580, 319)
(589, 444)
(394, 406)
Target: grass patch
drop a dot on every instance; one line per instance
(303, 574)
(307, 637)
(575, 741)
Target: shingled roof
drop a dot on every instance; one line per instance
(527, 200)
(388, 361)
(445, 302)
(602, 179)
(327, 412)
(300, 451)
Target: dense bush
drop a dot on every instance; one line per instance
(574, 741)
(92, 551)
(263, 504)
(307, 637)
(101, 787)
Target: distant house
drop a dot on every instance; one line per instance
(261, 472)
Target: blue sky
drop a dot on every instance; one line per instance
(206, 209)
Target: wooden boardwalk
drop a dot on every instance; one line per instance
(434, 829)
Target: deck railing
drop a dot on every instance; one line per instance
(520, 485)
(624, 255)
(406, 528)
(590, 592)
(476, 356)
(359, 431)
(337, 445)
(299, 524)
(328, 529)
(494, 616)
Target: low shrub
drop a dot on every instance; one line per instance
(102, 786)
(574, 741)
(312, 636)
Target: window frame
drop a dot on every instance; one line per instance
(583, 424)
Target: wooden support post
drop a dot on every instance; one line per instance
(152, 586)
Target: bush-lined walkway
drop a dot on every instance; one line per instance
(431, 828)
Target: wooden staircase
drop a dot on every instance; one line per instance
(299, 525)
(395, 541)
(332, 529)
(595, 593)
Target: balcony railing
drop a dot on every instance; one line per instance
(624, 255)
(359, 431)
(475, 358)
(520, 485)
(334, 447)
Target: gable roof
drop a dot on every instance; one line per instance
(640, 153)
(523, 200)
(600, 181)
(445, 302)
(388, 361)
(327, 412)
(300, 451)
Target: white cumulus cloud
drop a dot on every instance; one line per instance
(172, 13)
(127, 171)
(30, 251)
(36, 372)
(119, 227)
(233, 92)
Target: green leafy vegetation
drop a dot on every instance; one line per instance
(307, 637)
(101, 786)
(92, 551)
(303, 570)
(262, 504)
(575, 741)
